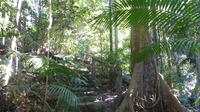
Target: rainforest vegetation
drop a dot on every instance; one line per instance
(99, 55)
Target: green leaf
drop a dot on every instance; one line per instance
(63, 95)
(169, 15)
(178, 45)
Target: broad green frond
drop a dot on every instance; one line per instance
(178, 45)
(197, 101)
(63, 95)
(168, 15)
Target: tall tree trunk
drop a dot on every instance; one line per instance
(177, 63)
(116, 38)
(111, 28)
(9, 68)
(18, 16)
(198, 54)
(169, 63)
(198, 70)
(48, 42)
(147, 90)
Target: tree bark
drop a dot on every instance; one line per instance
(116, 38)
(147, 90)
(111, 28)
(48, 45)
(169, 63)
(198, 70)
(18, 18)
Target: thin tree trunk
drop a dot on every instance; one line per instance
(156, 38)
(198, 70)
(19, 6)
(116, 38)
(118, 81)
(160, 56)
(111, 28)
(177, 63)
(3, 41)
(198, 54)
(3, 38)
(9, 68)
(48, 52)
(18, 16)
(169, 62)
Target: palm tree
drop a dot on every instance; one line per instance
(147, 90)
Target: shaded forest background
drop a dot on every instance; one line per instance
(99, 56)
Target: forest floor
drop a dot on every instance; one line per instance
(96, 95)
(99, 99)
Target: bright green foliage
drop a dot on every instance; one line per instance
(172, 16)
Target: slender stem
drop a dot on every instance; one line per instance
(111, 30)
(48, 52)
(169, 62)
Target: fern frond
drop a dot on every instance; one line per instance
(178, 45)
(63, 95)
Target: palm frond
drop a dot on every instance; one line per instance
(63, 95)
(168, 15)
(178, 45)
(197, 101)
